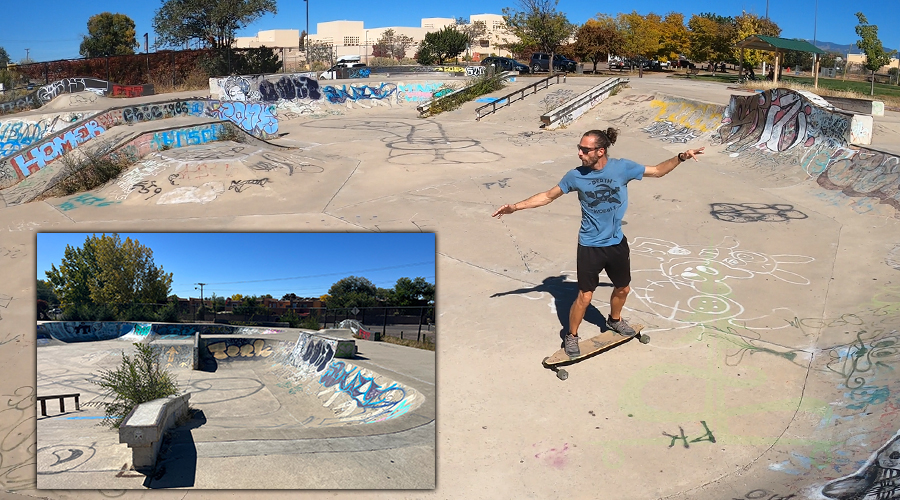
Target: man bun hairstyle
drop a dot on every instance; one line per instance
(604, 139)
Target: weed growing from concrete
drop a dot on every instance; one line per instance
(86, 169)
(478, 86)
(137, 380)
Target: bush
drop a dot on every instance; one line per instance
(137, 380)
(311, 322)
(291, 318)
(168, 314)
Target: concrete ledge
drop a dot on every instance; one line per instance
(570, 111)
(425, 106)
(865, 106)
(146, 424)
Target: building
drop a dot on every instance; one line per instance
(352, 38)
(860, 59)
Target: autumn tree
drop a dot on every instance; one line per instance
(750, 24)
(675, 39)
(111, 272)
(640, 34)
(868, 42)
(109, 35)
(473, 31)
(596, 39)
(537, 23)
(213, 22)
(392, 45)
(712, 38)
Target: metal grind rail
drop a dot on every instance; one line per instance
(525, 91)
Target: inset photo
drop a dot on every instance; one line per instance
(236, 361)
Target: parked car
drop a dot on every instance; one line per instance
(342, 62)
(616, 64)
(658, 65)
(505, 64)
(540, 61)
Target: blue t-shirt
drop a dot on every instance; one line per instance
(604, 197)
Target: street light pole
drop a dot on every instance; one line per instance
(367, 47)
(307, 35)
(201, 293)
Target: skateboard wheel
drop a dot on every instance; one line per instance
(562, 374)
(645, 339)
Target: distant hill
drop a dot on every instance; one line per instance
(836, 47)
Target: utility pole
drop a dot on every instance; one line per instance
(201, 294)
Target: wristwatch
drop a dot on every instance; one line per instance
(680, 158)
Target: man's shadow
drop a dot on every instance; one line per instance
(564, 294)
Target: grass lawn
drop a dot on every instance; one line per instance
(889, 94)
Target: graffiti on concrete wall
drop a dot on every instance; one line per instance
(418, 92)
(239, 348)
(347, 94)
(191, 136)
(256, 118)
(19, 134)
(869, 174)
(878, 479)
(312, 354)
(38, 157)
(780, 119)
(71, 85)
(367, 400)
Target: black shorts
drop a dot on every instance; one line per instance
(615, 260)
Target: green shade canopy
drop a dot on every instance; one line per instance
(775, 44)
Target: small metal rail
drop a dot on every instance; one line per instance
(62, 405)
(521, 93)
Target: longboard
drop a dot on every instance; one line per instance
(588, 347)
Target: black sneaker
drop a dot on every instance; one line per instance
(571, 344)
(620, 327)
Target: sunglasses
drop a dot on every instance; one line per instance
(587, 150)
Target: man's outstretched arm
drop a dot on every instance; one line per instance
(669, 165)
(535, 201)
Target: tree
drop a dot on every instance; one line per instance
(352, 291)
(597, 38)
(109, 35)
(876, 56)
(392, 45)
(213, 22)
(538, 23)
(250, 307)
(675, 39)
(751, 24)
(712, 38)
(45, 292)
(442, 45)
(640, 34)
(473, 31)
(107, 271)
(417, 292)
(290, 296)
(4, 57)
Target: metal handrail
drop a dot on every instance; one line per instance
(507, 99)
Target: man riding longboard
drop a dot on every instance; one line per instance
(602, 186)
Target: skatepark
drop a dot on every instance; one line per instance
(762, 273)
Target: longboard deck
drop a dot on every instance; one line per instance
(604, 341)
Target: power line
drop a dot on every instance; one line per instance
(321, 275)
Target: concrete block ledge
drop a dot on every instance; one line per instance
(570, 111)
(146, 424)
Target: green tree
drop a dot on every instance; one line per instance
(868, 42)
(4, 57)
(537, 23)
(417, 292)
(107, 271)
(250, 306)
(442, 45)
(109, 35)
(352, 291)
(597, 38)
(751, 24)
(213, 22)
(45, 293)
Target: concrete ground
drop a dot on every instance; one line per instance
(769, 300)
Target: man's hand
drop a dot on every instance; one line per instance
(504, 210)
(693, 153)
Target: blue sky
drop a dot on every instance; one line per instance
(276, 263)
(53, 29)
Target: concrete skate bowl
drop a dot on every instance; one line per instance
(45, 94)
(828, 413)
(31, 148)
(282, 379)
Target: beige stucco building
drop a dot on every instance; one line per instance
(353, 38)
(860, 59)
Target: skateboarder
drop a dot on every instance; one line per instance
(601, 183)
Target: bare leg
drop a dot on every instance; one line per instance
(579, 308)
(617, 301)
